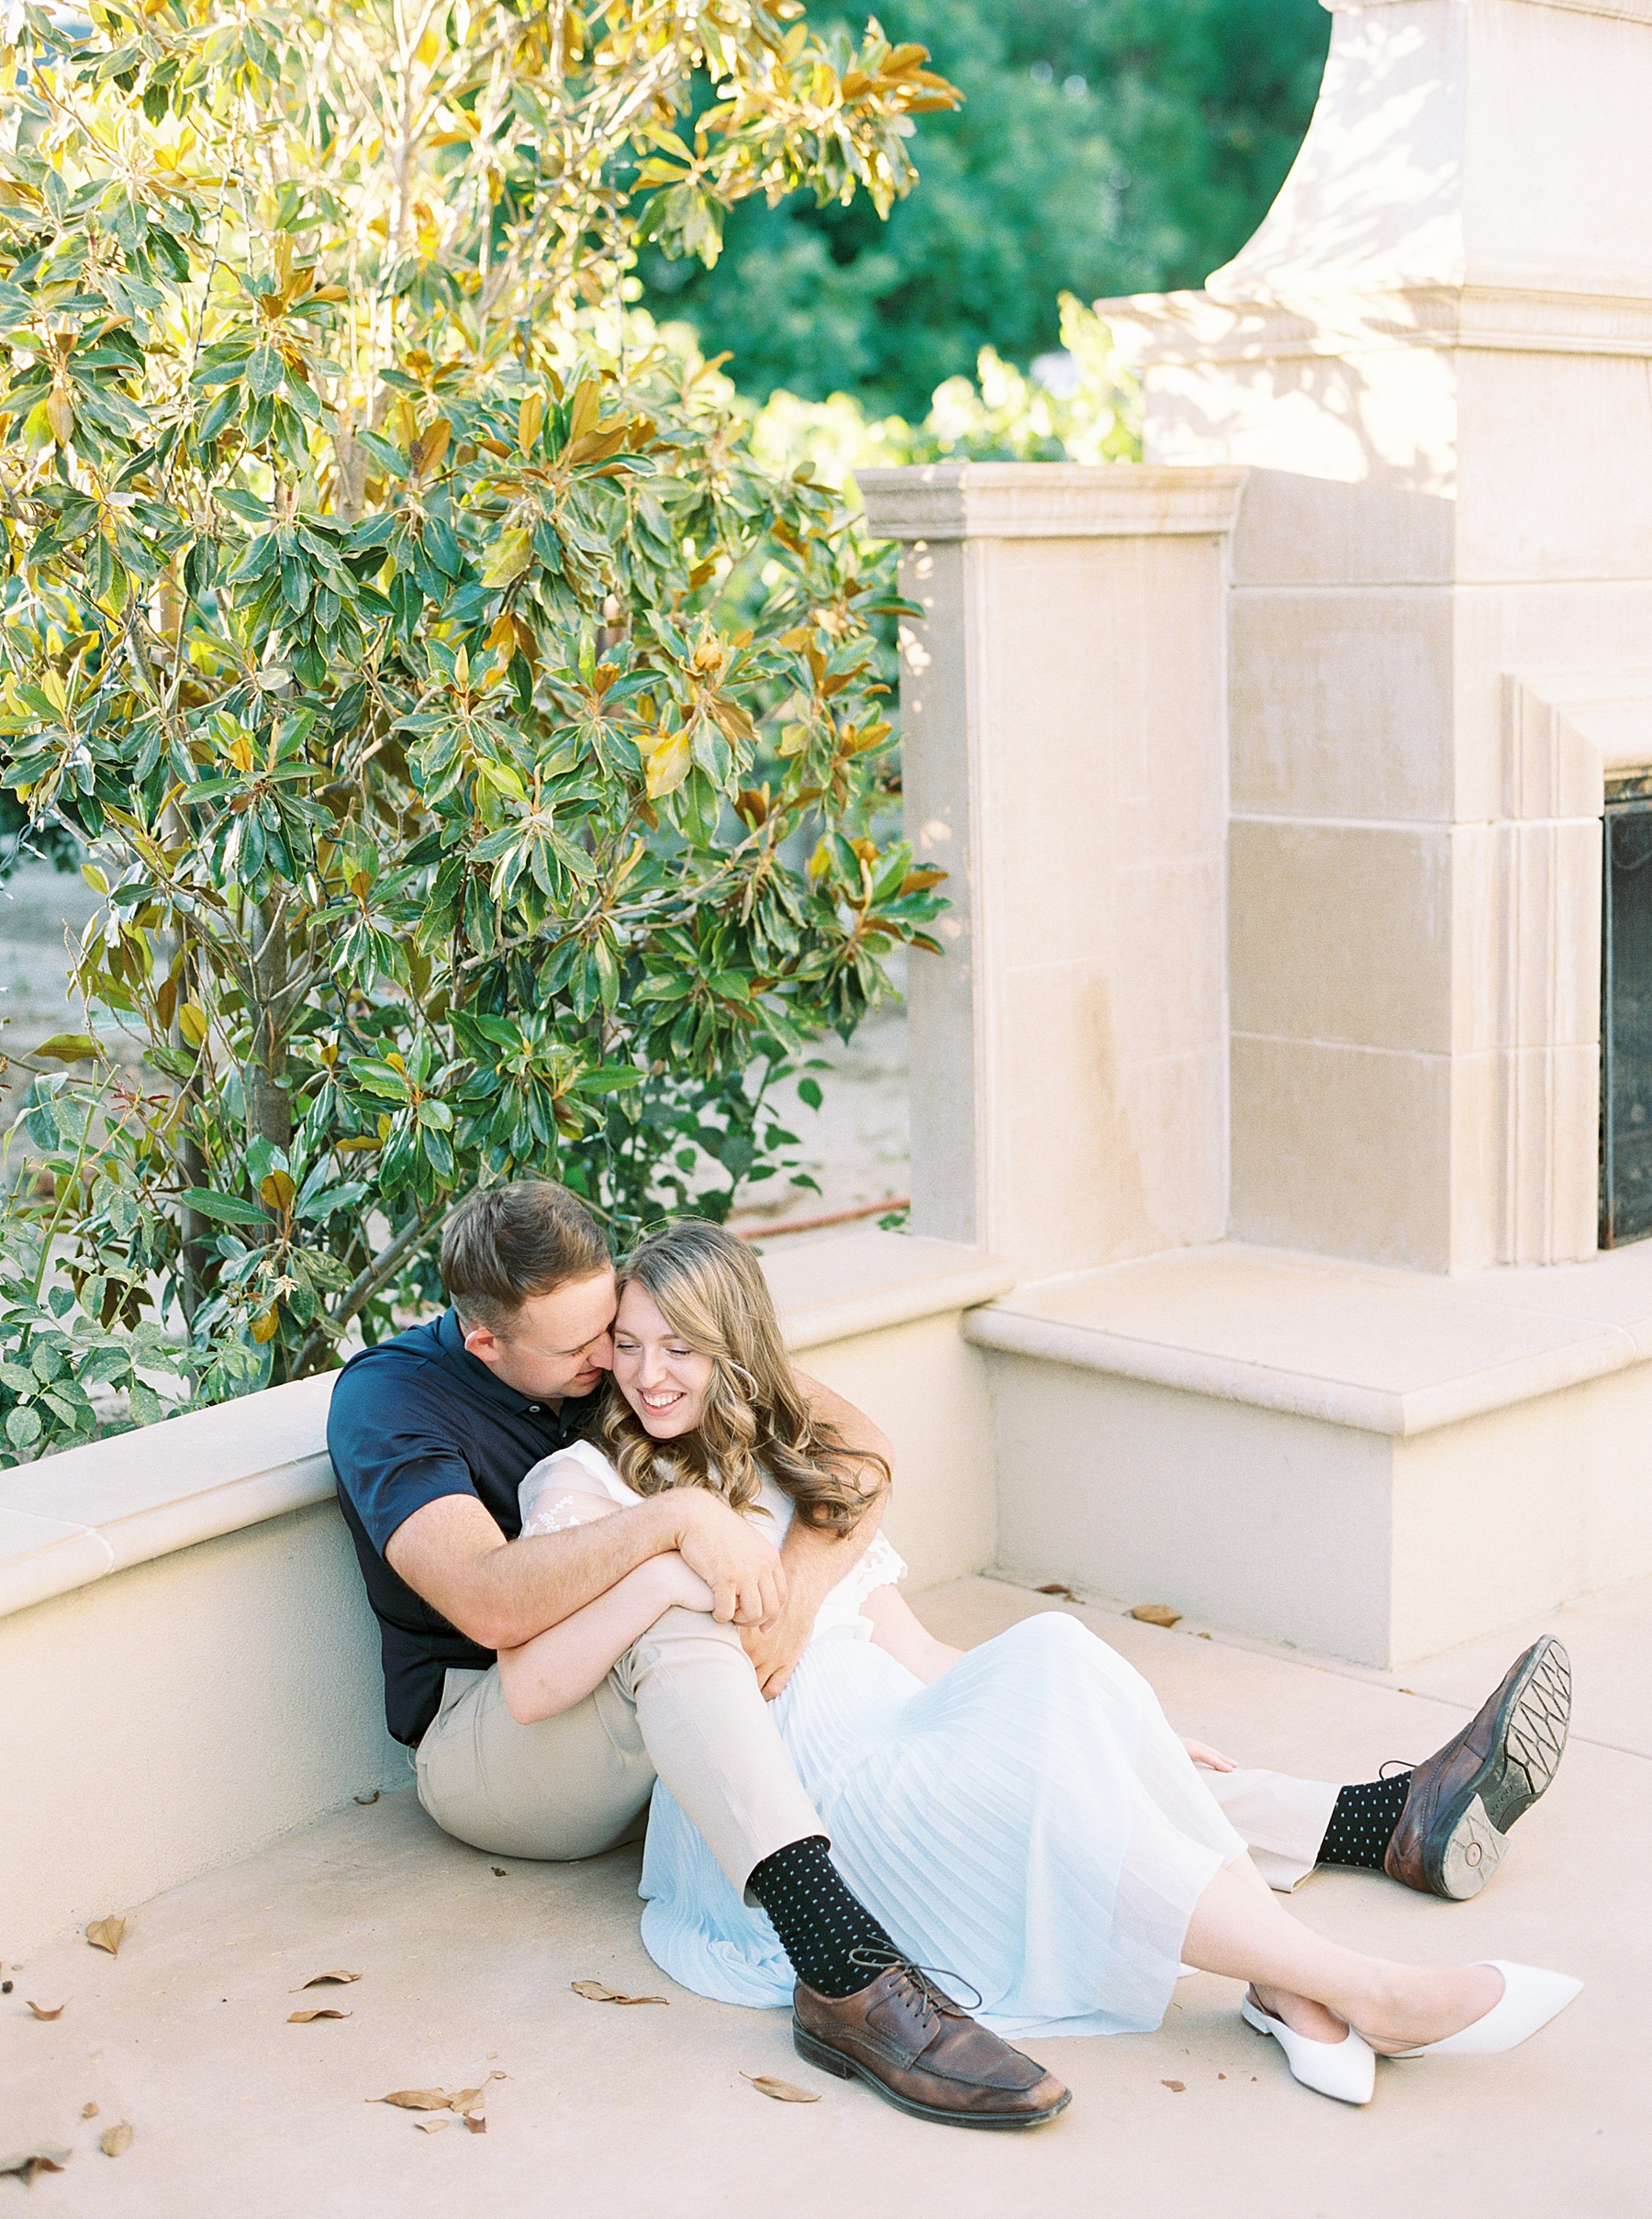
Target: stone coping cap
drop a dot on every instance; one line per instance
(863, 1282)
(70, 1519)
(1240, 320)
(1382, 1351)
(1623, 11)
(939, 501)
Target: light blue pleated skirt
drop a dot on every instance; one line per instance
(1027, 1823)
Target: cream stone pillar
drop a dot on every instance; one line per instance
(1065, 755)
(1435, 356)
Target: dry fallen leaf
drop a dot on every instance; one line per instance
(41, 2013)
(475, 2121)
(26, 2163)
(88, 2110)
(328, 1980)
(105, 1933)
(431, 2126)
(1054, 1586)
(594, 1992)
(114, 2140)
(1177, 2088)
(782, 2092)
(303, 2018)
(464, 2100)
(1156, 1614)
(1221, 2076)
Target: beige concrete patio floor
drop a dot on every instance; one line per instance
(466, 1970)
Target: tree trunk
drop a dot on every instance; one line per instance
(269, 1112)
(194, 1230)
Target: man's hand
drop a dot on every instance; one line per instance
(743, 1571)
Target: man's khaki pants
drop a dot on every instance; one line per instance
(682, 1704)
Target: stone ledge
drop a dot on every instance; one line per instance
(40, 1557)
(867, 1282)
(1621, 11)
(941, 501)
(1379, 1350)
(70, 1519)
(141, 1495)
(1363, 314)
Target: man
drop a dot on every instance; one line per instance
(430, 1435)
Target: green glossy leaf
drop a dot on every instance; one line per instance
(613, 1079)
(23, 1427)
(228, 1208)
(70, 1048)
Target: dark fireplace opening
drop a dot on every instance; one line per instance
(1626, 1015)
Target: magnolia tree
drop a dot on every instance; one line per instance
(482, 762)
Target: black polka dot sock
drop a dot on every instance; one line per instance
(1363, 1821)
(820, 1924)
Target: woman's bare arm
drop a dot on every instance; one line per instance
(897, 1627)
(559, 1668)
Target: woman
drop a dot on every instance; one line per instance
(1020, 1813)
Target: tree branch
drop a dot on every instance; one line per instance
(362, 1289)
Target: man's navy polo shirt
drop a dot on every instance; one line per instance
(412, 1420)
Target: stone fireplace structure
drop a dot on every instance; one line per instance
(1271, 777)
(1433, 356)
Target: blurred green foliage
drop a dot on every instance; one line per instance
(999, 416)
(1104, 146)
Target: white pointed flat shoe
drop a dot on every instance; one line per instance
(1346, 2069)
(1531, 1998)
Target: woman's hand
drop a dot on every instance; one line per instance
(776, 1647)
(1211, 1759)
(557, 1668)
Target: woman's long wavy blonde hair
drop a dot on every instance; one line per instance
(710, 1287)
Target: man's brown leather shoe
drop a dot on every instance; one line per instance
(922, 2054)
(1463, 1799)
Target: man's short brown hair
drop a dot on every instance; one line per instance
(504, 1244)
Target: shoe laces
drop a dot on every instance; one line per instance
(920, 1979)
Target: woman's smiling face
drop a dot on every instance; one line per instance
(664, 1380)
